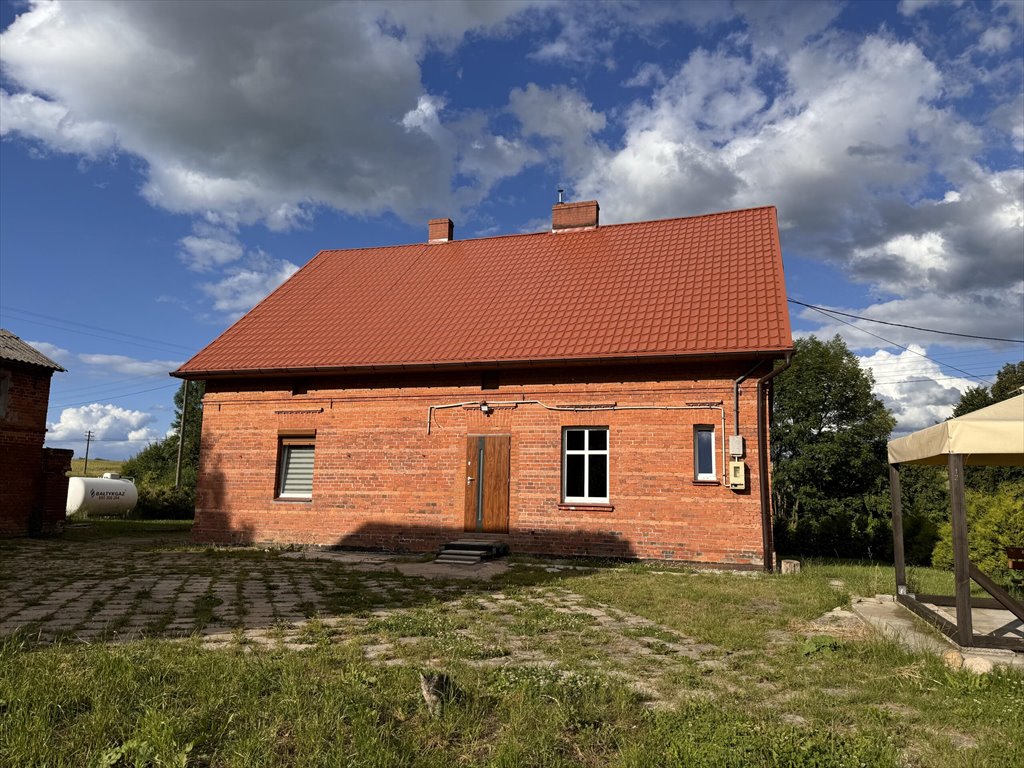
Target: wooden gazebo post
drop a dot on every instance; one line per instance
(961, 554)
(895, 494)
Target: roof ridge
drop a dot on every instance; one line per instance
(548, 232)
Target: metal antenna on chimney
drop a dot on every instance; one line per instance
(560, 191)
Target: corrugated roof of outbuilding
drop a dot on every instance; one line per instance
(17, 351)
(703, 285)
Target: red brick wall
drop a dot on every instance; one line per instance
(24, 395)
(380, 481)
(54, 482)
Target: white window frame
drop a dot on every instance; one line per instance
(698, 476)
(285, 445)
(586, 453)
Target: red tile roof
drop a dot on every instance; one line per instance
(704, 285)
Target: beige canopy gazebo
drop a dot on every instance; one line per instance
(992, 436)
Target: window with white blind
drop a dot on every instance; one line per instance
(295, 467)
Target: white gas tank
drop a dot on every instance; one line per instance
(107, 495)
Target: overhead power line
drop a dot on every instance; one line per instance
(903, 325)
(111, 397)
(103, 440)
(891, 380)
(828, 313)
(106, 385)
(73, 324)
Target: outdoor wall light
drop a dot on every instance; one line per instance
(485, 409)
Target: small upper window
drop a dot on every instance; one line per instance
(489, 380)
(585, 465)
(295, 467)
(704, 452)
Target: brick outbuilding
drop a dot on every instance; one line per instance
(33, 481)
(589, 390)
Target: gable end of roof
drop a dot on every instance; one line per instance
(13, 349)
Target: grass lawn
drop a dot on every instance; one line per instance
(96, 467)
(629, 666)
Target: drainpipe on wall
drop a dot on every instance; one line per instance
(762, 463)
(736, 396)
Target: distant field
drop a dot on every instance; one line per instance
(96, 467)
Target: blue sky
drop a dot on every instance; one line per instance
(165, 165)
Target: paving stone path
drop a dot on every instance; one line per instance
(390, 610)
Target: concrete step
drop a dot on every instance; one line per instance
(466, 551)
(469, 544)
(486, 548)
(452, 559)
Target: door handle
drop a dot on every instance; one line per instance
(470, 480)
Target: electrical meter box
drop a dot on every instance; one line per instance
(735, 445)
(737, 475)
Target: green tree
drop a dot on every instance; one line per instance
(1008, 383)
(155, 464)
(925, 498)
(973, 399)
(828, 450)
(995, 521)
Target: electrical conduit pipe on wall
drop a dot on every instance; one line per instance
(577, 408)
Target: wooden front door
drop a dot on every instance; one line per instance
(486, 479)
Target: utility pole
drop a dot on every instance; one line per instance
(88, 439)
(181, 433)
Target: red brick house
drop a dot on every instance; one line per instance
(33, 483)
(575, 391)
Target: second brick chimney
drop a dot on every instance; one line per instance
(440, 230)
(567, 216)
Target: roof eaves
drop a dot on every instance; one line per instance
(13, 349)
(773, 352)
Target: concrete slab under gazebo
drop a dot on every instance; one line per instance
(992, 436)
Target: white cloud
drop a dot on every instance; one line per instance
(559, 115)
(1014, 10)
(1009, 118)
(206, 96)
(646, 75)
(487, 158)
(996, 39)
(587, 32)
(984, 313)
(914, 388)
(107, 422)
(911, 7)
(557, 112)
(780, 25)
(129, 365)
(52, 351)
(54, 125)
(847, 147)
(244, 286)
(202, 254)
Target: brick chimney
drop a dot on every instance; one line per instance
(569, 216)
(440, 231)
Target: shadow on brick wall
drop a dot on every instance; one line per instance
(577, 542)
(215, 526)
